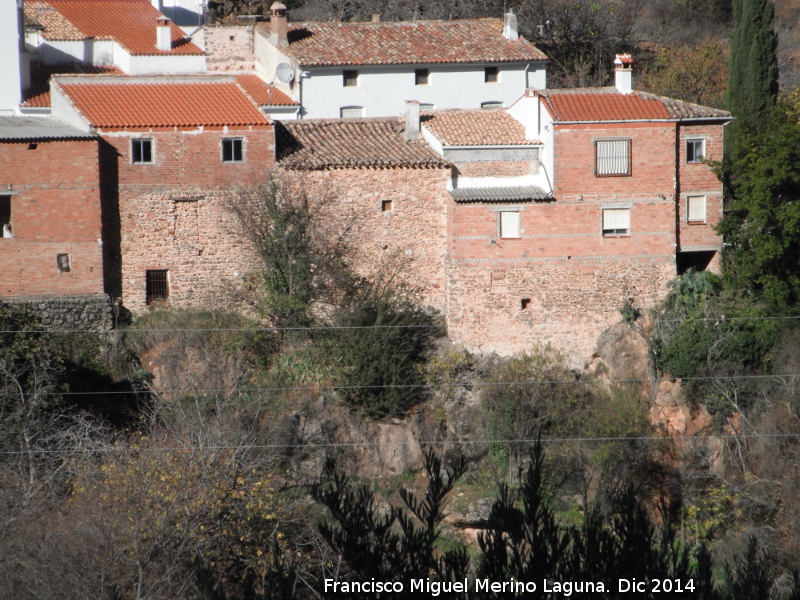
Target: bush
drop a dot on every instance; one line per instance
(383, 344)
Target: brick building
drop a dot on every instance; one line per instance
(50, 217)
(174, 152)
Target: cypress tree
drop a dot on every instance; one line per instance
(753, 72)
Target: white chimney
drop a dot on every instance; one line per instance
(279, 35)
(623, 73)
(163, 34)
(510, 29)
(412, 121)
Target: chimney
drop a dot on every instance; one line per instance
(510, 30)
(376, 17)
(412, 121)
(623, 73)
(278, 26)
(163, 34)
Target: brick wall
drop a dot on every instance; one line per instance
(175, 214)
(55, 209)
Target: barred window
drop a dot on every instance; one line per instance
(157, 286)
(613, 157)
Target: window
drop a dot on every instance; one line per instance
(141, 151)
(613, 157)
(5, 216)
(157, 286)
(386, 206)
(695, 151)
(423, 106)
(349, 78)
(509, 224)
(232, 150)
(616, 221)
(421, 76)
(696, 209)
(62, 262)
(351, 112)
(492, 104)
(491, 75)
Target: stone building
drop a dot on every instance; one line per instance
(173, 154)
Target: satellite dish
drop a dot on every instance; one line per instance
(284, 72)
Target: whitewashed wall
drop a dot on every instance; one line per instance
(10, 73)
(383, 90)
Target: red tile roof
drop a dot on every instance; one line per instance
(38, 95)
(132, 23)
(263, 93)
(608, 104)
(120, 105)
(315, 144)
(406, 43)
(483, 127)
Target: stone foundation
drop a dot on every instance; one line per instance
(85, 313)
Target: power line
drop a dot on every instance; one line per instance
(418, 385)
(643, 438)
(720, 319)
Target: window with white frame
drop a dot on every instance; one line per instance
(509, 224)
(492, 104)
(426, 106)
(232, 150)
(141, 151)
(696, 209)
(616, 221)
(351, 112)
(695, 150)
(612, 157)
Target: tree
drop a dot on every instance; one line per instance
(302, 251)
(694, 73)
(753, 70)
(761, 225)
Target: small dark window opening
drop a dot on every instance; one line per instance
(32, 146)
(421, 76)
(525, 303)
(62, 260)
(232, 150)
(386, 205)
(349, 78)
(142, 151)
(157, 286)
(491, 75)
(5, 216)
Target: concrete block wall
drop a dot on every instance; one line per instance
(55, 209)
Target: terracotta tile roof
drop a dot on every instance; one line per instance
(351, 144)
(483, 127)
(38, 95)
(405, 43)
(263, 93)
(132, 23)
(607, 104)
(120, 105)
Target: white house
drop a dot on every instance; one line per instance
(14, 75)
(370, 69)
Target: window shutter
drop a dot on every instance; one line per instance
(616, 220)
(509, 224)
(697, 209)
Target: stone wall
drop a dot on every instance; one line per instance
(229, 48)
(84, 313)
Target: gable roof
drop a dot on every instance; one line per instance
(315, 144)
(263, 93)
(38, 128)
(608, 104)
(405, 43)
(38, 95)
(132, 23)
(117, 105)
(484, 127)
